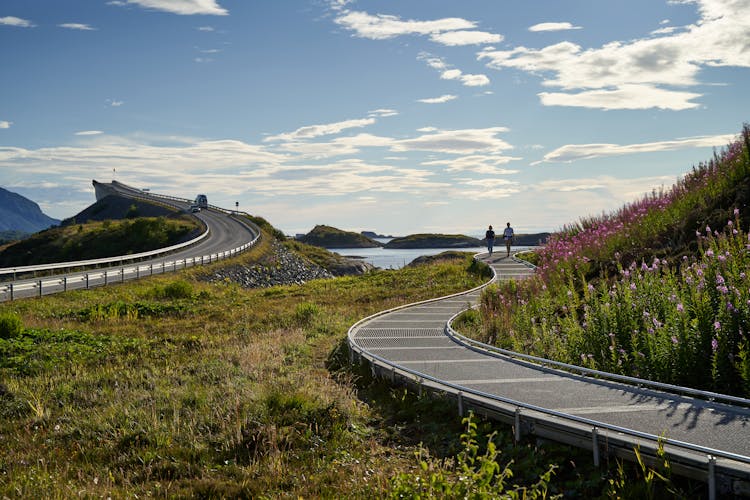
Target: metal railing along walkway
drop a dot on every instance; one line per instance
(705, 435)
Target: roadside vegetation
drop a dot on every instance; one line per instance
(95, 240)
(174, 387)
(657, 289)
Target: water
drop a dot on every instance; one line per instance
(397, 258)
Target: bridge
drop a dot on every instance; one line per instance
(227, 234)
(705, 435)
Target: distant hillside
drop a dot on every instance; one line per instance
(434, 241)
(529, 240)
(18, 213)
(331, 237)
(115, 207)
(99, 239)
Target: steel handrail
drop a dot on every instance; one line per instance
(419, 377)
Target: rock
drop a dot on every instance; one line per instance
(283, 268)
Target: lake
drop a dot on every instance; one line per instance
(397, 258)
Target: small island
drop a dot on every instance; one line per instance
(427, 240)
(331, 237)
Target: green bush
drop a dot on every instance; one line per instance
(10, 326)
(178, 290)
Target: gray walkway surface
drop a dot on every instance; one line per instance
(415, 338)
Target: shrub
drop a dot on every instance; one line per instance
(178, 290)
(10, 326)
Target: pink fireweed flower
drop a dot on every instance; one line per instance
(709, 253)
(720, 279)
(632, 286)
(717, 325)
(708, 229)
(680, 308)
(730, 223)
(714, 344)
(736, 212)
(674, 340)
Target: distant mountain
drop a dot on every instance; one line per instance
(18, 213)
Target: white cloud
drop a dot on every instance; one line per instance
(205, 28)
(464, 141)
(382, 27)
(438, 100)
(466, 79)
(464, 37)
(719, 38)
(448, 73)
(627, 96)
(77, 26)
(5, 124)
(181, 7)
(480, 164)
(114, 103)
(89, 132)
(312, 131)
(553, 27)
(383, 112)
(574, 152)
(16, 21)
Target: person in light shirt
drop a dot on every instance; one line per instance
(508, 237)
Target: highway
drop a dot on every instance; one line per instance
(705, 439)
(227, 236)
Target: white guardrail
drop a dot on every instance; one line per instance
(691, 460)
(117, 274)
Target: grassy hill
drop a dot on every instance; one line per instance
(434, 241)
(99, 239)
(657, 289)
(331, 237)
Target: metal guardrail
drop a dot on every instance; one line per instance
(590, 431)
(119, 274)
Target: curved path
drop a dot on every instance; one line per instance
(706, 440)
(227, 236)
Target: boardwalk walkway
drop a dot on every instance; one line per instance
(412, 342)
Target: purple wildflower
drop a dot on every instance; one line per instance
(717, 325)
(680, 308)
(674, 340)
(714, 344)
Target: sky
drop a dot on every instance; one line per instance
(397, 117)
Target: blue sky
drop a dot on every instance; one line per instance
(398, 117)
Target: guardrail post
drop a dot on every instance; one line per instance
(595, 445)
(150, 269)
(162, 266)
(138, 271)
(40, 288)
(106, 276)
(87, 281)
(711, 477)
(122, 275)
(65, 283)
(517, 422)
(393, 374)
(10, 287)
(460, 398)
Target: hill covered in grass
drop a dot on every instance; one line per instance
(331, 237)
(95, 240)
(657, 289)
(430, 240)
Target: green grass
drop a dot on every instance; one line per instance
(98, 239)
(207, 390)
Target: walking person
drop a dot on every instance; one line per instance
(508, 237)
(490, 237)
